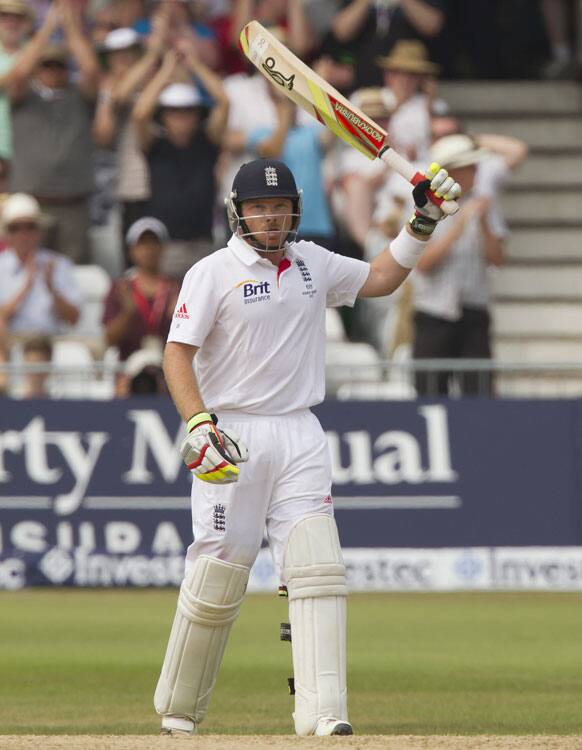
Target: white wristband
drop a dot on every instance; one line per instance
(406, 250)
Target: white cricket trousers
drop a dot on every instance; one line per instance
(287, 477)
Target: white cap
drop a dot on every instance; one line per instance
(180, 95)
(121, 39)
(453, 151)
(20, 206)
(146, 224)
(142, 358)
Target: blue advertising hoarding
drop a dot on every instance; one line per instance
(96, 493)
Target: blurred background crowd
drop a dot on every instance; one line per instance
(123, 122)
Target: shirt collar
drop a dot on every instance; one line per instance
(245, 253)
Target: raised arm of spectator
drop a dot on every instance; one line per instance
(124, 89)
(218, 118)
(241, 13)
(426, 19)
(349, 21)
(147, 102)
(300, 36)
(105, 121)
(17, 78)
(81, 49)
(271, 146)
(512, 150)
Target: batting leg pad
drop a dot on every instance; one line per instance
(316, 581)
(209, 602)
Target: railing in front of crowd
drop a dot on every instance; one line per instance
(389, 379)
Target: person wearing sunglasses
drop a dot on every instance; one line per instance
(38, 294)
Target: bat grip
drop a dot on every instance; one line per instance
(404, 167)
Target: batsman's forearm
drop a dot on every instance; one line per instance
(180, 378)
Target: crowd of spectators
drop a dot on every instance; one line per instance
(122, 123)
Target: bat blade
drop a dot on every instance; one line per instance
(311, 92)
(319, 99)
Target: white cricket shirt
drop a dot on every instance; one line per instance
(261, 328)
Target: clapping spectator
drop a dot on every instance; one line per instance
(451, 280)
(52, 127)
(183, 19)
(139, 307)
(369, 28)
(38, 294)
(182, 155)
(16, 19)
(129, 64)
(405, 72)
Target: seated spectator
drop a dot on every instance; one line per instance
(16, 18)
(37, 350)
(51, 117)
(139, 307)
(451, 280)
(182, 156)
(38, 294)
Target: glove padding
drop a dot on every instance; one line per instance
(212, 454)
(426, 213)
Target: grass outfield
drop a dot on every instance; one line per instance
(86, 662)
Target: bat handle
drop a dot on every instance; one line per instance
(405, 168)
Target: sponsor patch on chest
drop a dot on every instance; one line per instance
(254, 290)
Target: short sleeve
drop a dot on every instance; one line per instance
(345, 278)
(197, 306)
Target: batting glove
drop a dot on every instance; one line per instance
(426, 213)
(212, 454)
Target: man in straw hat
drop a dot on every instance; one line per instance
(367, 29)
(38, 294)
(451, 281)
(411, 77)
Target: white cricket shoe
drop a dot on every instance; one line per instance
(328, 726)
(178, 726)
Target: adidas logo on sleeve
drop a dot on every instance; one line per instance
(182, 312)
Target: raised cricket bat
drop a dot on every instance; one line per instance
(310, 92)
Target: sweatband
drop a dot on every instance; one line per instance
(200, 418)
(406, 250)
